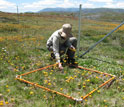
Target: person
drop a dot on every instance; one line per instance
(60, 42)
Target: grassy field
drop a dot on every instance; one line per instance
(23, 49)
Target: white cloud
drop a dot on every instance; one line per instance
(105, 1)
(88, 5)
(66, 0)
(67, 4)
(120, 5)
(109, 5)
(114, 5)
(6, 5)
(40, 4)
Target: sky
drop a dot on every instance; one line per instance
(36, 5)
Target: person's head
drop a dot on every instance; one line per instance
(65, 31)
(67, 28)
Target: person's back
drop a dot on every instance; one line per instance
(57, 35)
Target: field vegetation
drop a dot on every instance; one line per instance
(23, 49)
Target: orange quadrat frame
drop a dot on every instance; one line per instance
(19, 77)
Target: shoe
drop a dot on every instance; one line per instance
(52, 56)
(72, 63)
(61, 60)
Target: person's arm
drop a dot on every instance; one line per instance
(56, 51)
(56, 48)
(70, 46)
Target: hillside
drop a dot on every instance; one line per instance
(59, 10)
(84, 10)
(101, 14)
(23, 49)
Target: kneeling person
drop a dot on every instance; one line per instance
(59, 41)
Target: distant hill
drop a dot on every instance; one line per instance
(85, 10)
(29, 12)
(59, 10)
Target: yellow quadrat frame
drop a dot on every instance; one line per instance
(19, 77)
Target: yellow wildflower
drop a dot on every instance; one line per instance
(98, 91)
(61, 89)
(66, 77)
(7, 102)
(8, 90)
(49, 84)
(90, 96)
(31, 93)
(88, 80)
(96, 77)
(105, 101)
(1, 104)
(122, 98)
(7, 86)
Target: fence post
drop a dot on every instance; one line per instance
(79, 30)
(18, 14)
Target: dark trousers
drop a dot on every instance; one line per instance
(63, 49)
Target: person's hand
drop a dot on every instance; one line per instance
(72, 48)
(60, 66)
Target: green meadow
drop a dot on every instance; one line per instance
(23, 49)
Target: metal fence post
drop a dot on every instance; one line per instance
(18, 14)
(79, 30)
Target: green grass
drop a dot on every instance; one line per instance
(23, 49)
